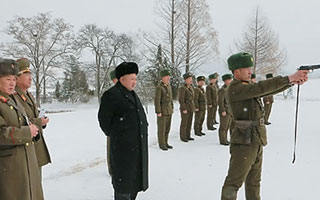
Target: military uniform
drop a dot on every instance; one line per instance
(248, 132)
(32, 112)
(19, 172)
(200, 104)
(267, 101)
(225, 121)
(186, 96)
(212, 102)
(164, 105)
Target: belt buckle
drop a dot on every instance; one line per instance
(261, 121)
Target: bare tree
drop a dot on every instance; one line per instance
(201, 40)
(41, 39)
(260, 40)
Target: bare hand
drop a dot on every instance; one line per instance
(34, 130)
(210, 106)
(184, 111)
(299, 77)
(44, 121)
(197, 109)
(159, 114)
(224, 114)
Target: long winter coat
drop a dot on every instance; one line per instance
(122, 117)
(29, 104)
(19, 172)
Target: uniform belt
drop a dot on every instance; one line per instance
(259, 122)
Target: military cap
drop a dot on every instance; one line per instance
(126, 68)
(165, 72)
(227, 77)
(201, 78)
(253, 76)
(112, 74)
(240, 60)
(212, 76)
(187, 75)
(23, 65)
(8, 67)
(269, 75)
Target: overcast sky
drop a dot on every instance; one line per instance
(295, 21)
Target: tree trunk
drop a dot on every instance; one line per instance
(188, 38)
(172, 34)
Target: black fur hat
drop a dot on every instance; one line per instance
(8, 67)
(126, 68)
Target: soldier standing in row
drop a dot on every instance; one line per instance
(186, 95)
(248, 129)
(200, 106)
(19, 169)
(212, 101)
(224, 111)
(24, 81)
(267, 101)
(164, 108)
(114, 80)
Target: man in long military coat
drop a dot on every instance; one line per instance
(224, 111)
(122, 117)
(19, 172)
(267, 101)
(24, 81)
(186, 96)
(248, 135)
(212, 101)
(200, 106)
(164, 108)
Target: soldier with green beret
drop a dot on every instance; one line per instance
(248, 131)
(200, 105)
(224, 111)
(186, 95)
(24, 81)
(114, 80)
(212, 101)
(163, 104)
(267, 101)
(19, 171)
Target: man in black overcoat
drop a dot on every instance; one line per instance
(122, 117)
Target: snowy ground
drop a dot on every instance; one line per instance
(194, 170)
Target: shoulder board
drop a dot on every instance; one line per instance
(3, 99)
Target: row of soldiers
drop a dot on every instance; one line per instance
(23, 150)
(195, 101)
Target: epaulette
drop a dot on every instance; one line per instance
(3, 99)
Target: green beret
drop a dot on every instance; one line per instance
(187, 75)
(201, 78)
(227, 77)
(240, 60)
(269, 75)
(165, 72)
(23, 65)
(113, 74)
(126, 68)
(8, 67)
(253, 76)
(212, 76)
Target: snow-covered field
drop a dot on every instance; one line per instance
(191, 171)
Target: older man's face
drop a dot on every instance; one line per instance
(129, 81)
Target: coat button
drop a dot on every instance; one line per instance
(138, 109)
(141, 122)
(27, 144)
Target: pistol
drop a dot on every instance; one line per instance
(309, 67)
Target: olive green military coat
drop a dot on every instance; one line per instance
(186, 95)
(245, 103)
(200, 98)
(30, 107)
(222, 101)
(212, 94)
(163, 99)
(19, 171)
